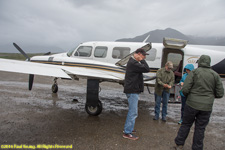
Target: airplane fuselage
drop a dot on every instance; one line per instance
(106, 61)
(104, 55)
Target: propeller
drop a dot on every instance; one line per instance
(21, 51)
(48, 53)
(31, 76)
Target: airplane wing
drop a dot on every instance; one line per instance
(32, 68)
(56, 70)
(93, 73)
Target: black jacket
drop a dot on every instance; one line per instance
(134, 78)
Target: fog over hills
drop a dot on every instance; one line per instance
(156, 36)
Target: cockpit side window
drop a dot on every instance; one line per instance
(83, 51)
(100, 51)
(120, 52)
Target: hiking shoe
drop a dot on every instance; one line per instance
(180, 122)
(178, 147)
(130, 136)
(164, 119)
(155, 118)
(134, 131)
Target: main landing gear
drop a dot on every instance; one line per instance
(93, 105)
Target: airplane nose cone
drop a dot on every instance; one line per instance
(220, 68)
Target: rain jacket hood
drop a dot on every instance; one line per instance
(189, 67)
(204, 61)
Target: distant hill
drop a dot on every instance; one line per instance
(156, 36)
(9, 48)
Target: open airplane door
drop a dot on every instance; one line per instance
(173, 47)
(174, 43)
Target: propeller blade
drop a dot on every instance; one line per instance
(31, 80)
(21, 51)
(48, 53)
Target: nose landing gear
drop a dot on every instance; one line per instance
(55, 86)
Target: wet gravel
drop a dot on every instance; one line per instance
(40, 117)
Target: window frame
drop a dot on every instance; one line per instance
(120, 49)
(104, 53)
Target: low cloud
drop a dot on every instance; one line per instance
(66, 23)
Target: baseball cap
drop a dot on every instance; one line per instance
(169, 64)
(142, 51)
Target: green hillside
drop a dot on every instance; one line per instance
(17, 56)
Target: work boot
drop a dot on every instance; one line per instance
(155, 118)
(164, 119)
(178, 147)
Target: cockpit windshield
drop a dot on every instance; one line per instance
(70, 52)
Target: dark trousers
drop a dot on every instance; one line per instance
(201, 119)
(183, 102)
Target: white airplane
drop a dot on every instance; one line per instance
(106, 61)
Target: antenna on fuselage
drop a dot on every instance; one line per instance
(146, 38)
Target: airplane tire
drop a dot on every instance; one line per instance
(94, 111)
(54, 88)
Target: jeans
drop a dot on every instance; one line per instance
(201, 119)
(183, 102)
(132, 112)
(164, 99)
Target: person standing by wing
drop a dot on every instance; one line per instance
(201, 87)
(133, 86)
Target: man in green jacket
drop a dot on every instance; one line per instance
(201, 87)
(164, 82)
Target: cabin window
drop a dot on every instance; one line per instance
(175, 58)
(120, 52)
(152, 55)
(100, 51)
(83, 51)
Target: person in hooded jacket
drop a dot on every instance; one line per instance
(188, 68)
(201, 87)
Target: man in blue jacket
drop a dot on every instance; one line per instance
(133, 86)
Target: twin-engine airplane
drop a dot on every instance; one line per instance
(106, 61)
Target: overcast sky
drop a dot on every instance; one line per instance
(66, 23)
